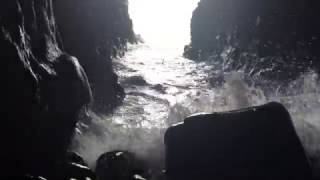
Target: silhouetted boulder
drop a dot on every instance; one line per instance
(269, 27)
(119, 165)
(46, 88)
(254, 143)
(95, 31)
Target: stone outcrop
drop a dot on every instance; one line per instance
(46, 88)
(267, 27)
(254, 143)
(95, 31)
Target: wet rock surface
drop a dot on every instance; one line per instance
(255, 143)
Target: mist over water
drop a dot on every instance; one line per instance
(163, 88)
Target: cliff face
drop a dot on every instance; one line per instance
(95, 31)
(47, 88)
(271, 27)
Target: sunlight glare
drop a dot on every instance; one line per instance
(163, 23)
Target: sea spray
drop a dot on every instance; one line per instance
(139, 124)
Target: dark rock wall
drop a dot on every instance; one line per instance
(94, 31)
(47, 88)
(272, 27)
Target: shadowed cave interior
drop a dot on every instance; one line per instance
(170, 89)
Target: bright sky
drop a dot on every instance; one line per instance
(163, 23)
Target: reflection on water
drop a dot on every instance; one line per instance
(170, 79)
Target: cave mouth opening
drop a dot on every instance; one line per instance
(163, 23)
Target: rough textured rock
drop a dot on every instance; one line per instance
(270, 27)
(46, 88)
(94, 31)
(254, 143)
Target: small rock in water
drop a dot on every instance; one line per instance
(135, 80)
(160, 88)
(119, 165)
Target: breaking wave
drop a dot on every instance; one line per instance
(175, 87)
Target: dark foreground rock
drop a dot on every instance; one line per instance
(95, 31)
(119, 165)
(255, 143)
(46, 87)
(269, 27)
(45, 90)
